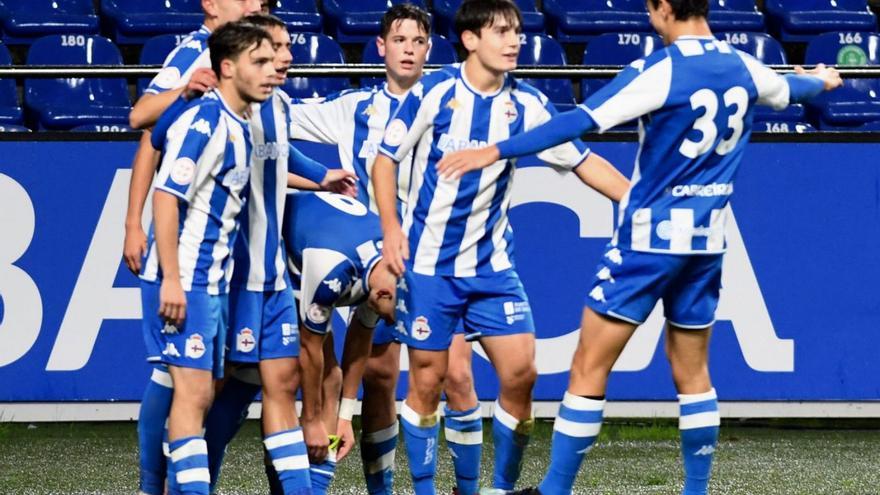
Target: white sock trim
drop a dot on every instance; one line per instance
(386, 461)
(193, 475)
(477, 414)
(162, 378)
(291, 463)
(579, 403)
(464, 437)
(699, 420)
(281, 439)
(196, 446)
(414, 418)
(505, 417)
(381, 435)
(577, 430)
(694, 398)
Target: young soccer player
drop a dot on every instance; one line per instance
(695, 100)
(355, 121)
(459, 236)
(196, 199)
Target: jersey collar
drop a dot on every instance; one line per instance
(477, 92)
(227, 109)
(204, 29)
(391, 95)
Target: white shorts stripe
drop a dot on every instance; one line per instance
(381, 435)
(578, 430)
(381, 464)
(194, 475)
(288, 438)
(196, 446)
(292, 463)
(464, 437)
(699, 420)
(162, 378)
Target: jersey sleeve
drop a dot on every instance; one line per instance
(185, 144)
(326, 275)
(407, 126)
(178, 67)
(539, 110)
(639, 89)
(321, 121)
(168, 117)
(773, 90)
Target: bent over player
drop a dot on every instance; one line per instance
(694, 100)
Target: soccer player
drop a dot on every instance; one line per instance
(197, 196)
(695, 101)
(459, 235)
(355, 121)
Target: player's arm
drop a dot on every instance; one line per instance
(779, 91)
(150, 106)
(355, 353)
(596, 172)
(146, 159)
(320, 121)
(172, 300)
(311, 360)
(306, 173)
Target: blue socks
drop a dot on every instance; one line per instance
(698, 421)
(420, 434)
(377, 454)
(225, 418)
(189, 457)
(287, 449)
(574, 432)
(464, 437)
(155, 406)
(511, 436)
(322, 474)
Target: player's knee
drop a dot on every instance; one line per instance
(379, 376)
(194, 396)
(459, 382)
(282, 382)
(521, 377)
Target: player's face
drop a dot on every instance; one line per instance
(283, 58)
(405, 49)
(254, 73)
(383, 292)
(497, 47)
(230, 10)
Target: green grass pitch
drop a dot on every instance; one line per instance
(630, 458)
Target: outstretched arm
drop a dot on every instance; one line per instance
(599, 174)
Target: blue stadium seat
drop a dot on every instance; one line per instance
(735, 15)
(800, 20)
(357, 21)
(102, 128)
(538, 49)
(13, 128)
(10, 110)
(26, 20)
(66, 103)
(858, 101)
(154, 52)
(300, 15)
(616, 49)
(869, 127)
(581, 20)
(783, 127)
(441, 52)
(312, 48)
(135, 21)
(444, 17)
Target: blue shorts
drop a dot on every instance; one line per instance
(199, 343)
(628, 285)
(385, 334)
(434, 305)
(262, 325)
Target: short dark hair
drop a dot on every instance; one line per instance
(474, 15)
(686, 9)
(265, 21)
(231, 39)
(403, 11)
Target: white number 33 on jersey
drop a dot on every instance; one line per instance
(706, 99)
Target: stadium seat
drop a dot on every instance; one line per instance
(154, 52)
(869, 127)
(616, 49)
(26, 20)
(312, 48)
(135, 21)
(581, 20)
(538, 49)
(10, 110)
(441, 52)
(735, 15)
(102, 128)
(801, 20)
(783, 127)
(13, 128)
(444, 17)
(299, 15)
(356, 21)
(66, 103)
(858, 101)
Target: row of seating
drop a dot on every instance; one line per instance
(68, 103)
(354, 21)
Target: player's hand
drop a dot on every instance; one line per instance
(346, 438)
(341, 182)
(317, 441)
(454, 165)
(202, 81)
(172, 302)
(395, 249)
(134, 247)
(828, 75)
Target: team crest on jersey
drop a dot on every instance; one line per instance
(201, 126)
(318, 313)
(195, 346)
(395, 132)
(245, 341)
(167, 77)
(510, 111)
(182, 171)
(420, 328)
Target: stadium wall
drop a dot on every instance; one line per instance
(797, 330)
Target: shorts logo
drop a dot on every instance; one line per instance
(515, 311)
(171, 350)
(614, 256)
(170, 328)
(182, 171)
(395, 132)
(288, 334)
(605, 274)
(401, 306)
(318, 313)
(195, 346)
(401, 284)
(245, 342)
(598, 294)
(420, 328)
(400, 327)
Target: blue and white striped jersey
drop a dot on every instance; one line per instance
(206, 164)
(191, 54)
(332, 243)
(259, 259)
(460, 227)
(695, 99)
(354, 121)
